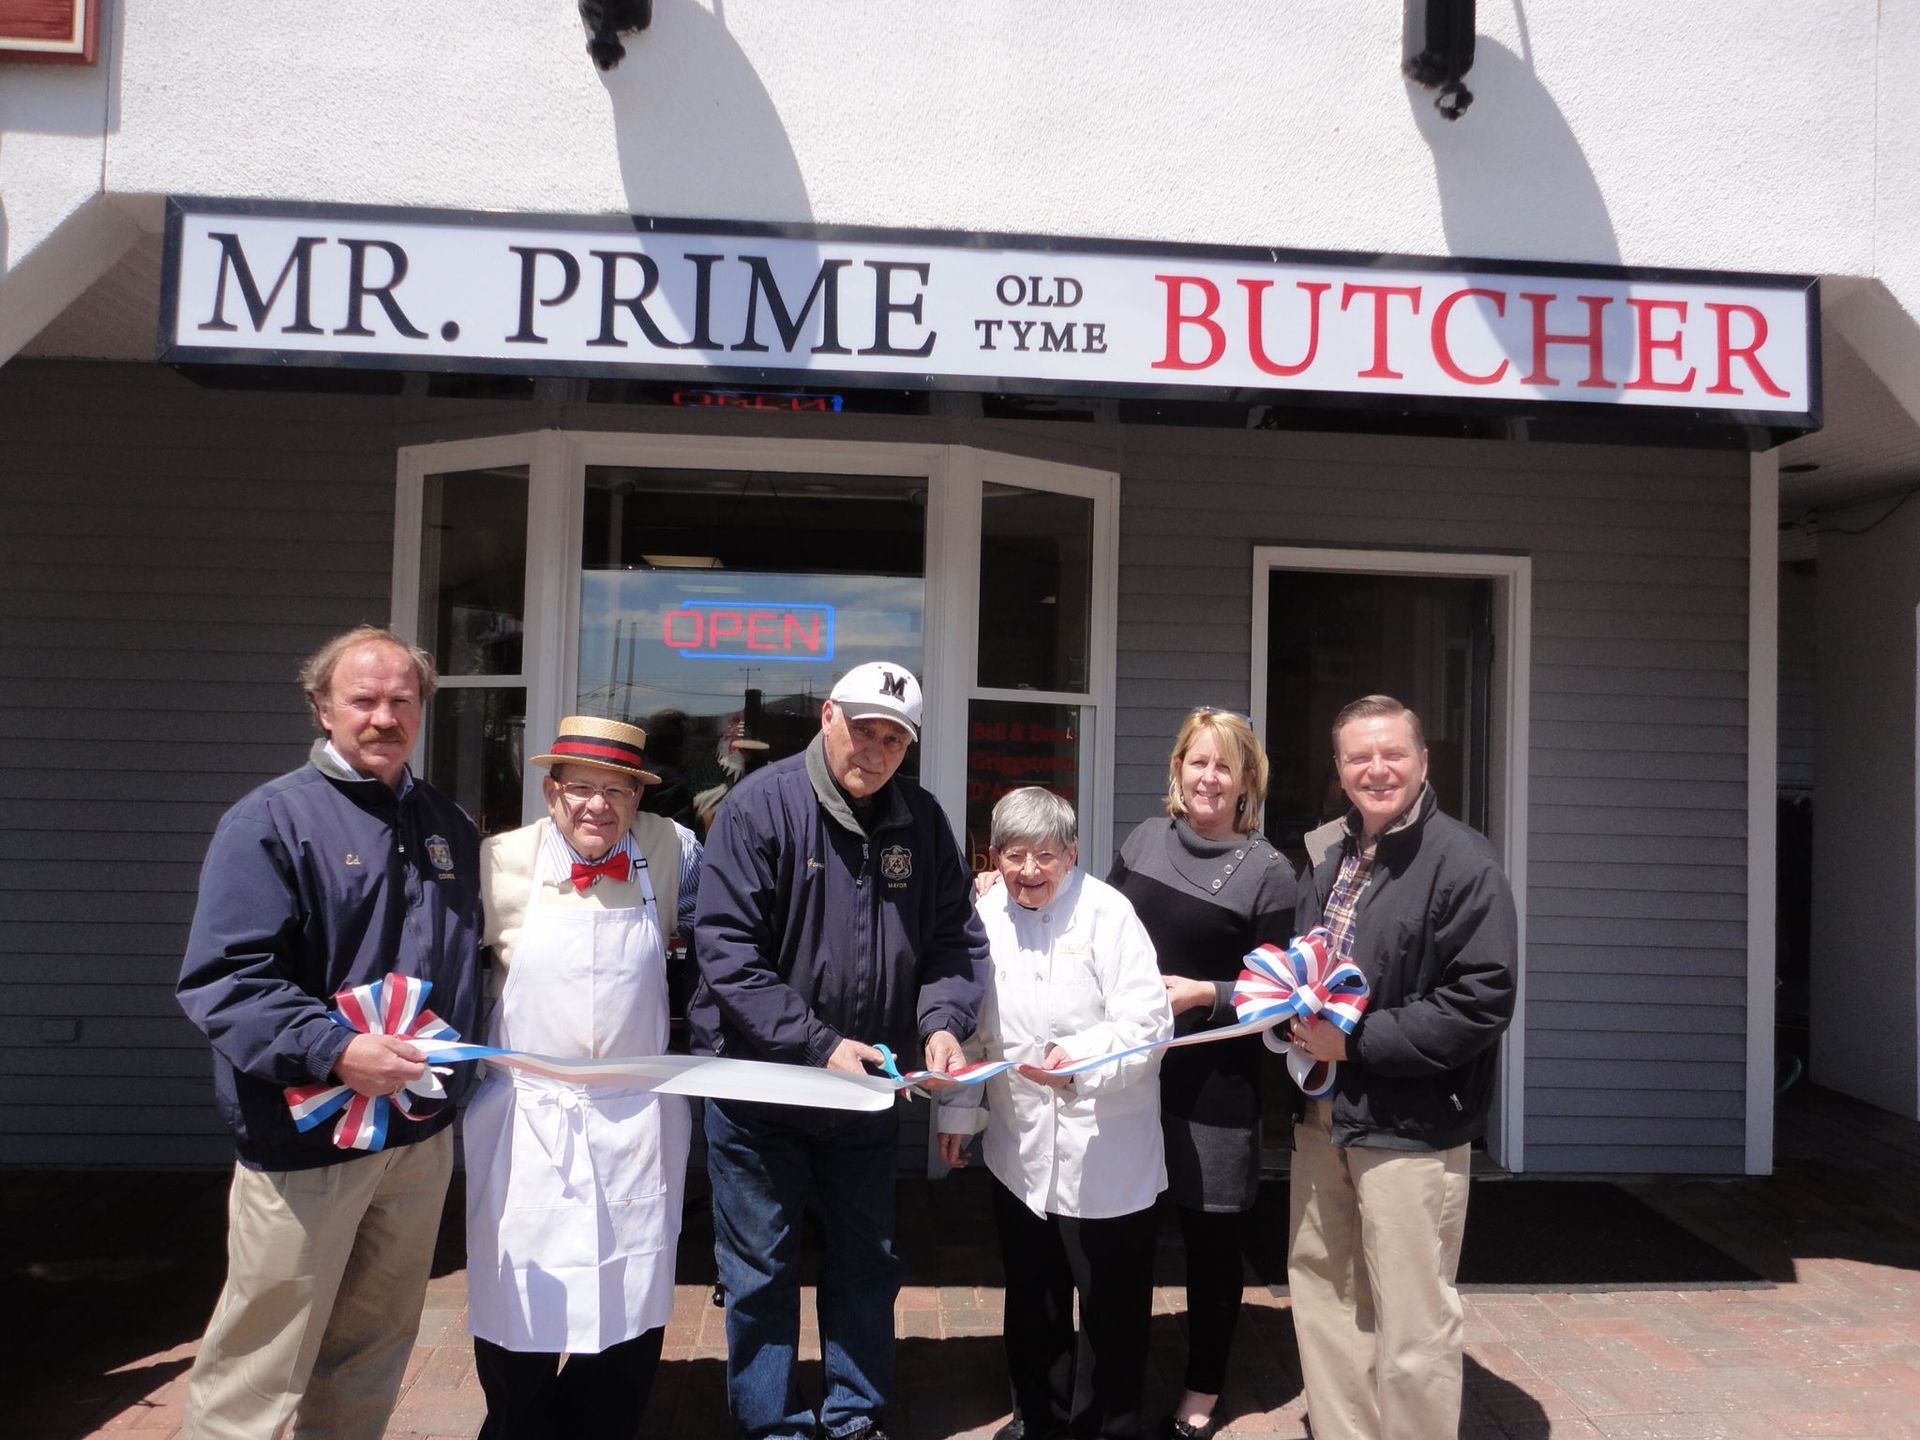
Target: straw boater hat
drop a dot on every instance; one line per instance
(589, 740)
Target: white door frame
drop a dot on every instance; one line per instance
(556, 503)
(1512, 577)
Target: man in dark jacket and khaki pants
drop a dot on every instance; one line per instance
(1379, 1188)
(835, 916)
(330, 877)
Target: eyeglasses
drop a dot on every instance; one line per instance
(581, 793)
(1017, 858)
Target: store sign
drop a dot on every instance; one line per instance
(56, 31)
(715, 301)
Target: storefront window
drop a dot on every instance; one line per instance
(473, 570)
(1011, 743)
(718, 607)
(1036, 549)
(473, 587)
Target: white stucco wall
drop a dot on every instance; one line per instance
(1647, 134)
(1864, 958)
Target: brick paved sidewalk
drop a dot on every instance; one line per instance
(1832, 1350)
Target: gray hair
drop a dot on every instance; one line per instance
(1036, 814)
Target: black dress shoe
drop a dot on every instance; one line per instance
(1178, 1429)
(1014, 1429)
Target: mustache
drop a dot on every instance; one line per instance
(393, 734)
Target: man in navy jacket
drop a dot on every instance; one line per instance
(330, 877)
(836, 915)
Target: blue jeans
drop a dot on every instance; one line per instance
(765, 1161)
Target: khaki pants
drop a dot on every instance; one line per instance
(326, 1273)
(1374, 1246)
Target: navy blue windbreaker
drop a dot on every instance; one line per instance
(810, 930)
(316, 882)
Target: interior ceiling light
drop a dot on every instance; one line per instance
(684, 562)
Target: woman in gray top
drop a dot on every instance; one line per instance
(1209, 888)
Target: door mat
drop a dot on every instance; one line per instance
(1549, 1235)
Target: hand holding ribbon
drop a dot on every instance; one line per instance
(396, 1007)
(1302, 982)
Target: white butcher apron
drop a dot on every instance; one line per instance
(574, 1190)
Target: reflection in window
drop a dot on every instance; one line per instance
(1036, 588)
(476, 752)
(1010, 744)
(718, 607)
(473, 570)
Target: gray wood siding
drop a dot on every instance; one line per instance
(168, 555)
(1636, 964)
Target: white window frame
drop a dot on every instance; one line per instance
(557, 462)
(1512, 577)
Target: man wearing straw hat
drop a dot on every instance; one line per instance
(835, 916)
(334, 876)
(573, 1190)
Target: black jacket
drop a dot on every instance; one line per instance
(1437, 939)
(810, 929)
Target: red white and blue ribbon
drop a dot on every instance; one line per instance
(1275, 986)
(1302, 982)
(393, 1006)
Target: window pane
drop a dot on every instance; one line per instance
(476, 754)
(1010, 744)
(473, 570)
(718, 607)
(1036, 588)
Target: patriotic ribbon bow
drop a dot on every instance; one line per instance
(393, 1006)
(1301, 982)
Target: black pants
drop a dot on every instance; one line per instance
(531, 1396)
(1086, 1388)
(1214, 1279)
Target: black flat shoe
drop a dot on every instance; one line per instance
(1178, 1429)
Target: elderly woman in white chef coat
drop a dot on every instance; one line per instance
(1076, 1160)
(574, 1190)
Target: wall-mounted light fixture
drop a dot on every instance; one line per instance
(1441, 52)
(607, 21)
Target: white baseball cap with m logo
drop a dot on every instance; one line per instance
(882, 690)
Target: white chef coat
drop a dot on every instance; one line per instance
(1079, 973)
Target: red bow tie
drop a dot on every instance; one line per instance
(614, 867)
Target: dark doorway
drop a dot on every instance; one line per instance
(1333, 636)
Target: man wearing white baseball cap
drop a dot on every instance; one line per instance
(835, 916)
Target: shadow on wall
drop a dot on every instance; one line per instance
(697, 132)
(1512, 178)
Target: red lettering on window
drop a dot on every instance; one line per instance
(693, 629)
(760, 631)
(807, 634)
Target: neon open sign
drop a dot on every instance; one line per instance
(730, 630)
